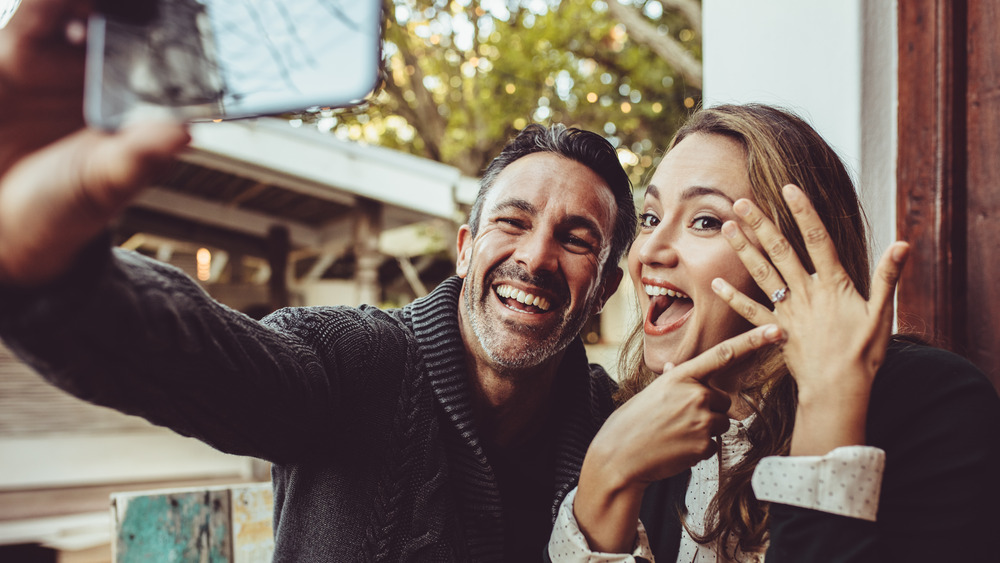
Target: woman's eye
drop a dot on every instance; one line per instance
(648, 221)
(706, 224)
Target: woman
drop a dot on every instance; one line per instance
(837, 398)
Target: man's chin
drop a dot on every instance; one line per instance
(526, 355)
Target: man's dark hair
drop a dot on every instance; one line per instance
(589, 149)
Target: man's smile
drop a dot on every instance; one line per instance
(519, 300)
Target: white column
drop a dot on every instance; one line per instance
(831, 61)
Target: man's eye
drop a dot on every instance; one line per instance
(508, 222)
(706, 224)
(578, 242)
(648, 221)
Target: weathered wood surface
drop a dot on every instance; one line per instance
(213, 525)
(948, 170)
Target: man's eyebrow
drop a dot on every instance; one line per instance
(691, 193)
(514, 203)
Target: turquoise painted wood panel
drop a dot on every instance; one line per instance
(223, 524)
(174, 527)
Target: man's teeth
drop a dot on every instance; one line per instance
(509, 292)
(654, 290)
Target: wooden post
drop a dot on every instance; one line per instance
(983, 216)
(278, 247)
(367, 229)
(930, 180)
(948, 205)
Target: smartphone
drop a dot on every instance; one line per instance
(201, 60)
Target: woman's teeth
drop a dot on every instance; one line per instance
(654, 290)
(510, 292)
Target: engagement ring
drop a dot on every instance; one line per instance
(779, 295)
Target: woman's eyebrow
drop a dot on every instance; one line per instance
(701, 191)
(691, 193)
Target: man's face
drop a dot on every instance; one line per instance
(533, 271)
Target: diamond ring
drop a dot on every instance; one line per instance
(779, 295)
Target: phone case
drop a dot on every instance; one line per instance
(199, 60)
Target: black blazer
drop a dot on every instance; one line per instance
(938, 419)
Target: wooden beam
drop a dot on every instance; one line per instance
(218, 215)
(930, 171)
(141, 220)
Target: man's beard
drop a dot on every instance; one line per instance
(537, 343)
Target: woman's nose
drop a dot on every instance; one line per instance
(658, 248)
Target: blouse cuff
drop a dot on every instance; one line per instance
(568, 544)
(846, 481)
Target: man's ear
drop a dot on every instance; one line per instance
(464, 251)
(608, 287)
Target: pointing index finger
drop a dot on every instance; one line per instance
(727, 352)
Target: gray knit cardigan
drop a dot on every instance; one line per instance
(366, 414)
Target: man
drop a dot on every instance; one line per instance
(446, 430)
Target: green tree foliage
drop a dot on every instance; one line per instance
(463, 76)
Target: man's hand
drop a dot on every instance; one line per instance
(60, 184)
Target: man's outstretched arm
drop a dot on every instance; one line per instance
(129, 333)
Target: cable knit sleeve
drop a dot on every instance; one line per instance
(130, 333)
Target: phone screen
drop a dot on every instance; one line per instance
(219, 59)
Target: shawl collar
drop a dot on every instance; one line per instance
(585, 403)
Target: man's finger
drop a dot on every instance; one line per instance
(126, 159)
(749, 309)
(55, 200)
(37, 19)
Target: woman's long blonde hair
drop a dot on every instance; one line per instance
(780, 149)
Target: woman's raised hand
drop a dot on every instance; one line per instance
(836, 339)
(660, 432)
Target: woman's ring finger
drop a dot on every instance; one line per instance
(779, 295)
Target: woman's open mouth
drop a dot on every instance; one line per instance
(668, 309)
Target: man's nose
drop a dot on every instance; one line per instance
(538, 253)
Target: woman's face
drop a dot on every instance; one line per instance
(680, 249)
